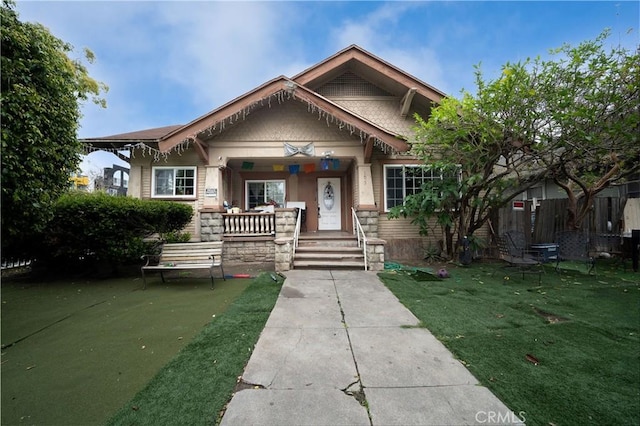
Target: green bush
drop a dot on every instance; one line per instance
(95, 228)
(176, 237)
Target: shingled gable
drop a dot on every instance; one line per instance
(280, 89)
(372, 68)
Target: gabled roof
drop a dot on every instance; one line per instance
(356, 59)
(300, 88)
(278, 90)
(147, 135)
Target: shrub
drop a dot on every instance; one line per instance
(98, 228)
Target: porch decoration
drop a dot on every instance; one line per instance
(309, 167)
(324, 164)
(219, 126)
(328, 196)
(278, 167)
(336, 164)
(290, 150)
(294, 169)
(247, 165)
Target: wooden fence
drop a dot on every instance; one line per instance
(603, 223)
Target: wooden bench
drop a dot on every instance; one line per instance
(179, 256)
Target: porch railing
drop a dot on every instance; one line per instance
(362, 238)
(249, 224)
(15, 263)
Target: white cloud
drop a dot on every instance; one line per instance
(382, 33)
(219, 50)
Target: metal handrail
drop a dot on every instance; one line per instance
(296, 234)
(357, 229)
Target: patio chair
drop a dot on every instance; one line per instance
(574, 245)
(518, 257)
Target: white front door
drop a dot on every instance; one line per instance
(329, 214)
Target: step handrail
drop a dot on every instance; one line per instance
(357, 229)
(296, 234)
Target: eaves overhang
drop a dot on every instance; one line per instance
(358, 59)
(276, 91)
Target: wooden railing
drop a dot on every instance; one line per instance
(15, 263)
(249, 224)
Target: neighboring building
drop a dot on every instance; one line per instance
(331, 138)
(79, 182)
(114, 180)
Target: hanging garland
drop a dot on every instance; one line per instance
(220, 125)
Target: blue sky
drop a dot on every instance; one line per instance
(168, 62)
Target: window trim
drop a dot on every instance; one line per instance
(175, 169)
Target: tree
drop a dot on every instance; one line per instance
(574, 120)
(41, 91)
(592, 121)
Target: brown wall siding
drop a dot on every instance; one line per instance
(188, 158)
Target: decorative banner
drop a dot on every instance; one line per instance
(294, 169)
(307, 150)
(278, 167)
(336, 164)
(324, 164)
(310, 168)
(247, 165)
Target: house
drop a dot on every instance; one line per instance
(78, 182)
(331, 140)
(114, 180)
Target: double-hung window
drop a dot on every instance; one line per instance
(261, 192)
(177, 182)
(403, 180)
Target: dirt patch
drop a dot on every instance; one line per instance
(551, 318)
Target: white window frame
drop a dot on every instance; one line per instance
(434, 176)
(263, 181)
(175, 169)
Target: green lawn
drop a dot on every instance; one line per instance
(584, 331)
(75, 352)
(194, 388)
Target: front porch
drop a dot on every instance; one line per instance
(277, 237)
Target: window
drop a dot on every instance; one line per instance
(260, 192)
(174, 182)
(403, 180)
(120, 178)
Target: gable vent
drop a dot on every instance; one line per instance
(349, 84)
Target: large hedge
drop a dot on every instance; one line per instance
(42, 87)
(98, 229)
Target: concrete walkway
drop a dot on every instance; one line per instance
(340, 349)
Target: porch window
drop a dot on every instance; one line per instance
(261, 192)
(403, 180)
(173, 182)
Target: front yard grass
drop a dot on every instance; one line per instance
(563, 352)
(76, 352)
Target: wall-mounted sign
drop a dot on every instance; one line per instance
(518, 205)
(211, 192)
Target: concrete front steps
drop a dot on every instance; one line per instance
(317, 251)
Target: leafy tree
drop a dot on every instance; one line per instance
(574, 119)
(40, 95)
(591, 120)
